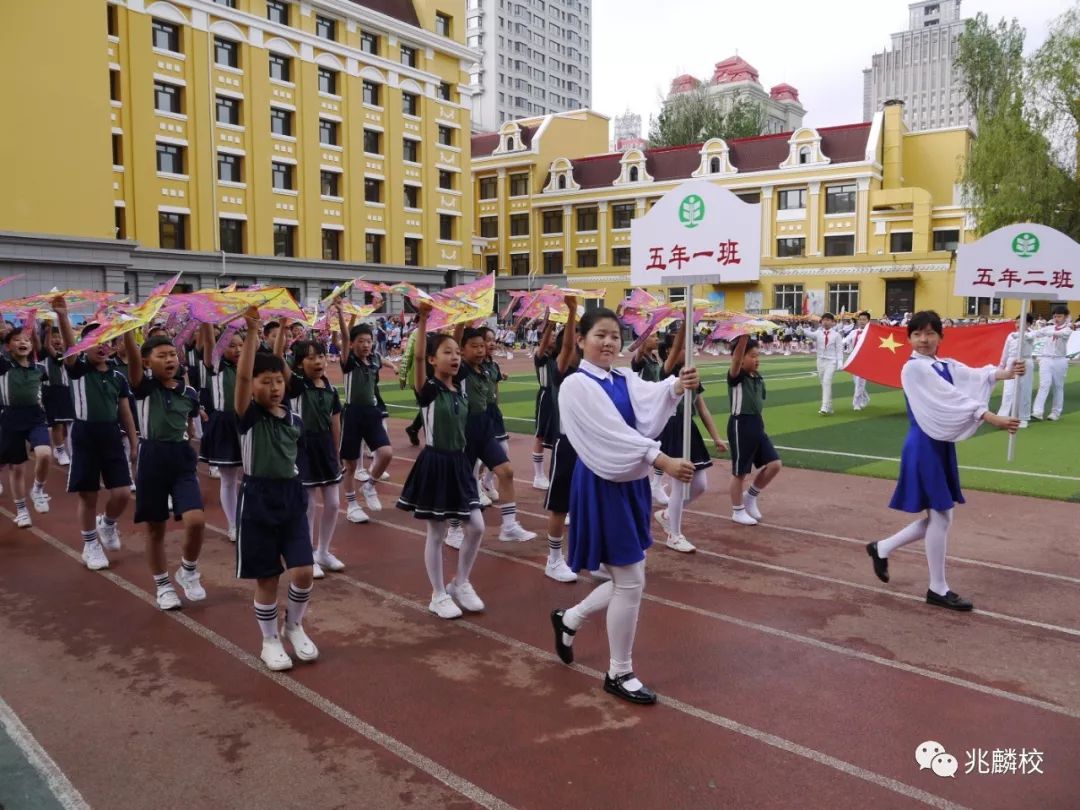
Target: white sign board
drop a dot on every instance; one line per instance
(1021, 261)
(697, 233)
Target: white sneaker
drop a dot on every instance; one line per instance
(741, 517)
(484, 499)
(356, 514)
(192, 584)
(329, 562)
(41, 501)
(1053, 417)
(361, 474)
(109, 535)
(215, 472)
(231, 534)
(1023, 424)
(385, 476)
(659, 495)
(94, 556)
(22, 520)
(465, 595)
(559, 571)
(303, 646)
(455, 536)
(62, 456)
(541, 482)
(371, 497)
(490, 491)
(167, 598)
(274, 656)
(661, 516)
(515, 533)
(317, 572)
(444, 607)
(751, 508)
(678, 542)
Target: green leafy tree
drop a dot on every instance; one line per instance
(1055, 74)
(696, 115)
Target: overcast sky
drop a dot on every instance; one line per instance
(819, 46)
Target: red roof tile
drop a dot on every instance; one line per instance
(398, 9)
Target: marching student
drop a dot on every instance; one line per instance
(1053, 364)
(56, 396)
(22, 421)
(491, 368)
(441, 484)
(1020, 386)
(100, 407)
(166, 467)
(946, 403)
(750, 445)
(405, 380)
(544, 363)
(270, 336)
(829, 345)
(193, 362)
(272, 511)
(220, 445)
(671, 444)
(860, 399)
(610, 417)
(646, 363)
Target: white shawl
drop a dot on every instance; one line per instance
(948, 413)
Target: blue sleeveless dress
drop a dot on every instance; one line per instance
(929, 477)
(609, 520)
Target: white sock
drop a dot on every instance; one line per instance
(230, 490)
(937, 535)
(622, 616)
(538, 465)
(554, 550)
(298, 604)
(509, 514)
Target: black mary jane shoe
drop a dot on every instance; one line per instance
(951, 600)
(564, 651)
(414, 436)
(881, 564)
(615, 686)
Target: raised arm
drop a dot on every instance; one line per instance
(420, 348)
(206, 333)
(134, 359)
(59, 306)
(675, 353)
(737, 352)
(545, 339)
(244, 368)
(279, 341)
(569, 345)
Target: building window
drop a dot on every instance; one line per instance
(553, 263)
(280, 67)
(369, 42)
(325, 27)
(519, 224)
(634, 175)
(552, 222)
(844, 297)
(519, 264)
(840, 199)
(946, 240)
(172, 231)
(900, 242)
(281, 121)
(714, 165)
(168, 98)
(412, 252)
(232, 235)
(328, 132)
(975, 307)
(412, 196)
(166, 36)
(622, 215)
(620, 257)
(372, 190)
(410, 104)
(489, 188)
(587, 219)
(447, 227)
(408, 56)
(519, 185)
(331, 245)
(371, 93)
(446, 136)
(119, 222)
(277, 11)
(373, 243)
(442, 24)
(410, 150)
(491, 263)
(226, 53)
(804, 155)
(170, 158)
(372, 141)
(329, 184)
(840, 245)
(228, 110)
(786, 248)
(114, 85)
(446, 180)
(112, 25)
(281, 175)
(788, 297)
(328, 81)
(489, 227)
(117, 149)
(226, 3)
(284, 239)
(792, 199)
(230, 169)
(443, 91)
(586, 258)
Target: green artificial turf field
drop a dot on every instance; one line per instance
(1047, 462)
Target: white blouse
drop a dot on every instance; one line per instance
(948, 413)
(603, 441)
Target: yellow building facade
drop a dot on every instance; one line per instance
(312, 129)
(864, 216)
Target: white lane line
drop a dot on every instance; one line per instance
(422, 763)
(65, 792)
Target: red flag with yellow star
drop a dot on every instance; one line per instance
(882, 350)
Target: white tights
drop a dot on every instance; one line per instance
(230, 490)
(622, 598)
(327, 520)
(682, 494)
(470, 548)
(934, 529)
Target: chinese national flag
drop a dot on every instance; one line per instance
(882, 351)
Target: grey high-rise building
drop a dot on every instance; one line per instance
(920, 69)
(537, 58)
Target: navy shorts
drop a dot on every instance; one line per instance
(563, 460)
(165, 469)
(361, 424)
(749, 444)
(272, 527)
(21, 425)
(98, 454)
(480, 441)
(59, 408)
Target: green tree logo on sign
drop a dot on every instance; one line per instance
(692, 211)
(1025, 245)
